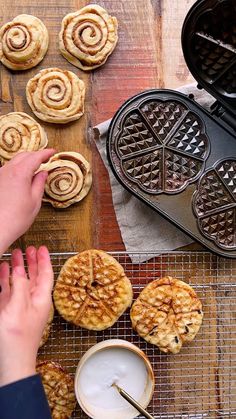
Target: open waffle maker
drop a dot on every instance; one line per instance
(174, 155)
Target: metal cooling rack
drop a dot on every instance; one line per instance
(200, 382)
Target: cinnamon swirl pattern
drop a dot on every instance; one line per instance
(19, 132)
(23, 42)
(88, 37)
(56, 95)
(69, 179)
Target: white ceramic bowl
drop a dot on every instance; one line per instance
(127, 412)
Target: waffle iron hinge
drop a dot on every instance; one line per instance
(226, 117)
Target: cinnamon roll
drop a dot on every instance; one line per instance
(23, 42)
(69, 179)
(88, 37)
(56, 95)
(19, 132)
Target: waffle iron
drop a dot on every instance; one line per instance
(174, 155)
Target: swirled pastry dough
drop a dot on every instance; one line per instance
(88, 37)
(69, 179)
(23, 42)
(56, 95)
(19, 132)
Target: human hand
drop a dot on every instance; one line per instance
(24, 309)
(21, 194)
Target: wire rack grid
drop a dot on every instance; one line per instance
(200, 381)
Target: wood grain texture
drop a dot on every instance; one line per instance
(60, 230)
(148, 55)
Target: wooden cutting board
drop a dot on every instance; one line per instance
(148, 55)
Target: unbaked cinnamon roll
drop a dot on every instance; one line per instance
(69, 179)
(19, 132)
(88, 37)
(23, 42)
(56, 95)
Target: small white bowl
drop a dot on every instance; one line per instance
(128, 412)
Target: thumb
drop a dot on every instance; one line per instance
(38, 185)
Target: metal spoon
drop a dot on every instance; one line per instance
(133, 402)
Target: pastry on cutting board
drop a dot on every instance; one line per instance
(47, 328)
(19, 132)
(56, 95)
(59, 389)
(167, 314)
(23, 42)
(92, 290)
(69, 179)
(88, 37)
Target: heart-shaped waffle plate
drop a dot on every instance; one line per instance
(162, 146)
(160, 143)
(214, 204)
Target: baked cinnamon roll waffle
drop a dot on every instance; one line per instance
(167, 314)
(19, 132)
(92, 290)
(59, 389)
(47, 328)
(23, 42)
(69, 179)
(88, 37)
(56, 95)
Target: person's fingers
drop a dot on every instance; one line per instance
(30, 161)
(19, 288)
(4, 282)
(31, 257)
(17, 260)
(16, 159)
(36, 158)
(38, 185)
(44, 283)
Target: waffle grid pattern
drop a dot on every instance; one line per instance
(214, 45)
(161, 146)
(200, 382)
(214, 204)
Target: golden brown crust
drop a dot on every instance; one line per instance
(92, 290)
(59, 389)
(69, 179)
(23, 42)
(19, 132)
(47, 328)
(88, 37)
(56, 95)
(167, 313)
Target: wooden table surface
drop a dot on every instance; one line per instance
(148, 55)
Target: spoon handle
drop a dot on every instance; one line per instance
(133, 402)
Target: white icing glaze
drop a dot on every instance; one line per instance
(108, 366)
